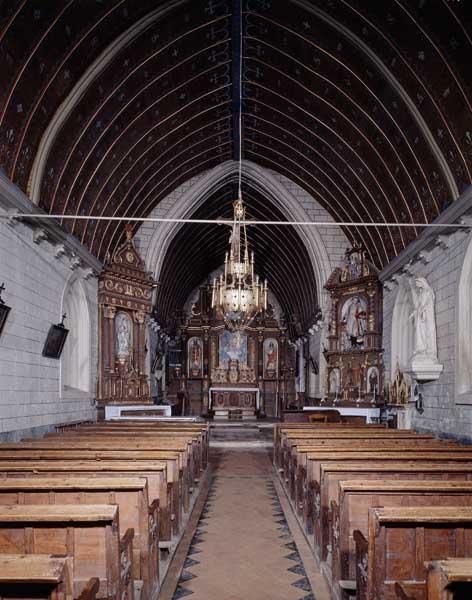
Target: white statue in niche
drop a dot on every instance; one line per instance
(424, 364)
(123, 334)
(424, 318)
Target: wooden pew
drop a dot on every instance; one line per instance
(314, 460)
(88, 533)
(132, 440)
(450, 579)
(289, 440)
(178, 485)
(325, 490)
(129, 494)
(280, 428)
(300, 456)
(24, 577)
(41, 577)
(350, 512)
(202, 429)
(197, 439)
(400, 541)
(145, 440)
(153, 471)
(411, 591)
(308, 460)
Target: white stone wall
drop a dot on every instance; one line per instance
(442, 412)
(31, 395)
(143, 237)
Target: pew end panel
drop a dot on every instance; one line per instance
(90, 534)
(411, 591)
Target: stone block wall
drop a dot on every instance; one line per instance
(32, 398)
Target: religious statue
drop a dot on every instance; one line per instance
(373, 380)
(195, 357)
(424, 319)
(123, 335)
(196, 353)
(270, 348)
(334, 381)
(355, 317)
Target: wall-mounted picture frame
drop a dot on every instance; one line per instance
(55, 340)
(4, 309)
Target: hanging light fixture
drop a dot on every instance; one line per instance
(238, 293)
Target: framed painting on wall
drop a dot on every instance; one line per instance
(55, 341)
(233, 346)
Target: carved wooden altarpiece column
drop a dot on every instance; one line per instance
(355, 372)
(125, 299)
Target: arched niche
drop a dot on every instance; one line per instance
(402, 330)
(464, 329)
(76, 356)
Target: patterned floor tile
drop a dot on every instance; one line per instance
(242, 524)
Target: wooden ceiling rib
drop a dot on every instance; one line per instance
(366, 105)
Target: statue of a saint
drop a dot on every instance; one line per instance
(424, 318)
(123, 336)
(355, 319)
(196, 354)
(271, 357)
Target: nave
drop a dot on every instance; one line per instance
(235, 299)
(328, 511)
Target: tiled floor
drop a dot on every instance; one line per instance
(242, 548)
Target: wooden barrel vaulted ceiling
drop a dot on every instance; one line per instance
(106, 106)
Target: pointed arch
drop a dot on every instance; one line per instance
(76, 367)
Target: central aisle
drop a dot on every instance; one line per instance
(242, 548)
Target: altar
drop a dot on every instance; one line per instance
(242, 401)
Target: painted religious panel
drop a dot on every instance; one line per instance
(271, 358)
(233, 346)
(123, 335)
(195, 357)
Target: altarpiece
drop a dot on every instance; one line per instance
(233, 373)
(354, 356)
(125, 300)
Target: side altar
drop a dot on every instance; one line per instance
(354, 356)
(124, 303)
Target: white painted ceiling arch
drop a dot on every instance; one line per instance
(265, 182)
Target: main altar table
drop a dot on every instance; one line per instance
(224, 400)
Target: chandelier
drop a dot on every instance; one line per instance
(238, 293)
